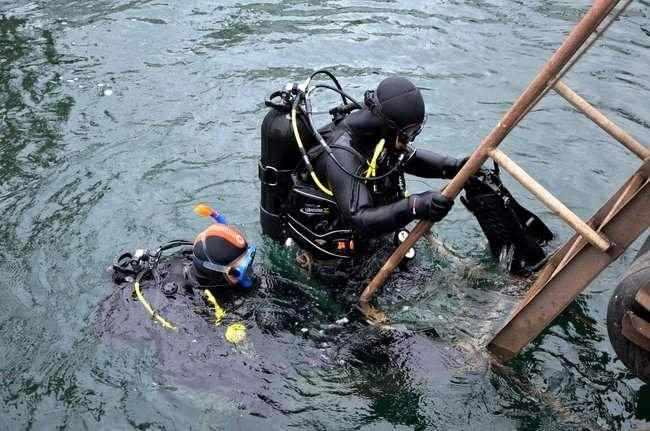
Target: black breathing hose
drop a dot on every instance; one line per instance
(328, 149)
(331, 76)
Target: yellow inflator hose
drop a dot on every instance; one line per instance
(219, 312)
(294, 126)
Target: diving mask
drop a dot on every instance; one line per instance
(236, 272)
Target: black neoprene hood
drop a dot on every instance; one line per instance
(401, 101)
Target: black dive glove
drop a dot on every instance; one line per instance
(461, 162)
(430, 206)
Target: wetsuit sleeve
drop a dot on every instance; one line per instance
(427, 164)
(354, 199)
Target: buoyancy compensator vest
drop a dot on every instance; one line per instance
(514, 233)
(315, 223)
(291, 207)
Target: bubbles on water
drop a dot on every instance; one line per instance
(505, 258)
(104, 90)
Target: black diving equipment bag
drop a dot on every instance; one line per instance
(508, 226)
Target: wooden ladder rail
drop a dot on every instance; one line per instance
(624, 217)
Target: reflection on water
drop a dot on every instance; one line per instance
(117, 116)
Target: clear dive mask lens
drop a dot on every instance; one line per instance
(409, 133)
(237, 270)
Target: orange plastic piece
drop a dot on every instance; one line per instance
(203, 210)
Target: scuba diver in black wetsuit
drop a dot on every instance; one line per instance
(394, 114)
(333, 190)
(349, 188)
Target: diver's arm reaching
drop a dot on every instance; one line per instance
(427, 164)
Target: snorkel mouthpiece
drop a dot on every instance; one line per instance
(240, 271)
(218, 217)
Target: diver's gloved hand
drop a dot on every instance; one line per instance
(461, 163)
(481, 172)
(430, 205)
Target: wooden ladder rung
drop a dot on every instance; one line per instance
(632, 186)
(554, 204)
(603, 122)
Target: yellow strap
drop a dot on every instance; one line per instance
(372, 165)
(219, 312)
(165, 323)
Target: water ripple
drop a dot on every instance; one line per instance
(117, 116)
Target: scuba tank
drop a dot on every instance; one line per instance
(279, 157)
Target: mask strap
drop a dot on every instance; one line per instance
(212, 265)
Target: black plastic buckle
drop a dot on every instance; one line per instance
(121, 268)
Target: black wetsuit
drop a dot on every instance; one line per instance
(374, 208)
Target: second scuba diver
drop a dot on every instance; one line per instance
(216, 264)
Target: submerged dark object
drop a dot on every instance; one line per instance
(628, 316)
(508, 226)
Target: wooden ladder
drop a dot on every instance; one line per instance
(597, 242)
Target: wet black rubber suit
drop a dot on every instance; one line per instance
(375, 209)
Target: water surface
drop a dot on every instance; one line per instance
(116, 117)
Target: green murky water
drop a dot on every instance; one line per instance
(117, 116)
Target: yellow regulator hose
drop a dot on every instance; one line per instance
(219, 312)
(154, 314)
